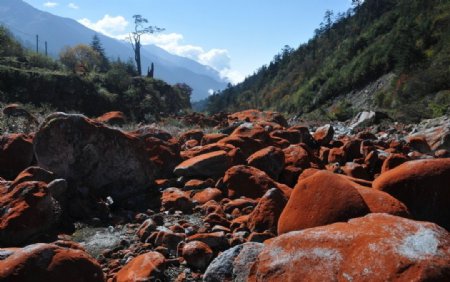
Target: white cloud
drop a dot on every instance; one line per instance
(218, 59)
(50, 4)
(108, 25)
(73, 6)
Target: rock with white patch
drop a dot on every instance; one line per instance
(234, 264)
(377, 247)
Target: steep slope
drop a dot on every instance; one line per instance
(25, 22)
(407, 41)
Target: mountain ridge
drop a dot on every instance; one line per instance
(21, 17)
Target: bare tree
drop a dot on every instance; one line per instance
(135, 37)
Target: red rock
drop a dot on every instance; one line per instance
(240, 203)
(150, 131)
(200, 150)
(266, 214)
(355, 170)
(393, 161)
(305, 136)
(337, 155)
(270, 160)
(197, 184)
(146, 229)
(176, 199)
(29, 212)
(297, 155)
(216, 241)
(377, 247)
(212, 206)
(48, 262)
(113, 118)
(259, 237)
(321, 199)
(289, 175)
(249, 182)
(239, 222)
(352, 149)
(323, 135)
(197, 254)
(189, 144)
(16, 154)
(423, 186)
(419, 143)
(207, 195)
(255, 116)
(167, 239)
(212, 138)
(381, 202)
(292, 136)
(247, 145)
(34, 173)
(164, 154)
(212, 164)
(146, 267)
(216, 219)
(252, 131)
(195, 134)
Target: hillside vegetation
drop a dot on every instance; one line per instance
(407, 38)
(84, 80)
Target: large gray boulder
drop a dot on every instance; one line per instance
(96, 160)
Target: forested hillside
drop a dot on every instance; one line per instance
(407, 38)
(84, 80)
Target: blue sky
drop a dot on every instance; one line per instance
(233, 36)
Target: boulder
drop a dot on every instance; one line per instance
(164, 154)
(298, 156)
(323, 135)
(48, 262)
(16, 154)
(146, 267)
(423, 186)
(377, 247)
(176, 199)
(266, 214)
(207, 195)
(393, 161)
(435, 131)
(113, 118)
(257, 116)
(28, 212)
(270, 160)
(197, 254)
(212, 164)
(97, 160)
(249, 182)
(321, 199)
(234, 264)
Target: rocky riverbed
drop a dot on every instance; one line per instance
(255, 198)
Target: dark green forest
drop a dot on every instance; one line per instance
(408, 38)
(84, 80)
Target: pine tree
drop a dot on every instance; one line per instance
(97, 46)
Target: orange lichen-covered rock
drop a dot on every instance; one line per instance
(377, 247)
(113, 118)
(146, 267)
(265, 215)
(197, 254)
(321, 199)
(209, 164)
(297, 155)
(252, 131)
(270, 160)
(323, 135)
(207, 195)
(16, 154)
(247, 145)
(381, 202)
(257, 116)
(250, 182)
(176, 199)
(48, 262)
(392, 161)
(423, 186)
(27, 212)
